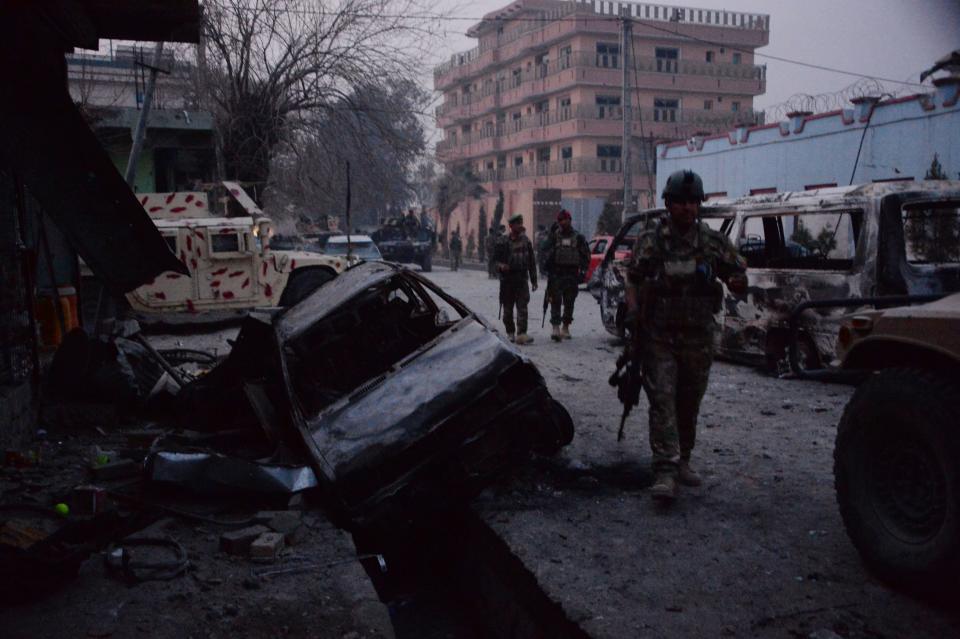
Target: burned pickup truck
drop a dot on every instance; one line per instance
(398, 397)
(873, 240)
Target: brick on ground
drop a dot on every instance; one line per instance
(237, 542)
(267, 546)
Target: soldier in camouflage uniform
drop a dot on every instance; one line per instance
(673, 296)
(566, 257)
(515, 260)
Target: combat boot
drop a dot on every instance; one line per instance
(664, 489)
(688, 476)
(555, 334)
(511, 337)
(523, 338)
(565, 331)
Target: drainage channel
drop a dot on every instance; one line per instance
(452, 576)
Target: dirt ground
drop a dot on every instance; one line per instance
(758, 551)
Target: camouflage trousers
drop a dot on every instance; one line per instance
(676, 369)
(563, 291)
(514, 291)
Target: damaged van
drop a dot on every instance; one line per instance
(396, 394)
(894, 238)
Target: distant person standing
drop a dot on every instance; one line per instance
(516, 263)
(565, 258)
(456, 250)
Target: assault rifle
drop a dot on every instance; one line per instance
(628, 380)
(546, 300)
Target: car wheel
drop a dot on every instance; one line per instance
(897, 480)
(302, 283)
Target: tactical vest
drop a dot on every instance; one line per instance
(684, 293)
(519, 254)
(565, 253)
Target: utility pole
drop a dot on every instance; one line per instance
(626, 29)
(139, 133)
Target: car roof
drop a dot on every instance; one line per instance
(338, 239)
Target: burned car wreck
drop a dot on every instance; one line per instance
(397, 396)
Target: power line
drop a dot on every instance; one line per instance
(573, 18)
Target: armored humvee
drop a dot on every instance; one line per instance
(231, 264)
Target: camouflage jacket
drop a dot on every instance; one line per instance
(677, 275)
(517, 254)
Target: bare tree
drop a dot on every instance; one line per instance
(271, 64)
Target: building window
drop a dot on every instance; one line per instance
(543, 154)
(566, 57)
(517, 78)
(517, 121)
(736, 58)
(734, 106)
(518, 160)
(563, 106)
(708, 105)
(609, 158)
(501, 161)
(667, 59)
(665, 110)
(608, 106)
(608, 55)
(709, 56)
(543, 64)
(566, 158)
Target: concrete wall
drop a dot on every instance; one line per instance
(900, 138)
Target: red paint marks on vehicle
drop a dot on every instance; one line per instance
(214, 283)
(198, 233)
(160, 295)
(183, 256)
(234, 192)
(236, 274)
(220, 271)
(199, 203)
(225, 231)
(170, 197)
(199, 252)
(189, 198)
(268, 290)
(193, 263)
(173, 276)
(154, 209)
(246, 283)
(189, 243)
(228, 295)
(264, 268)
(337, 264)
(143, 200)
(293, 264)
(191, 307)
(178, 209)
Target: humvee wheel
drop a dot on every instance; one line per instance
(302, 282)
(897, 477)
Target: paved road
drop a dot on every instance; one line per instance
(758, 551)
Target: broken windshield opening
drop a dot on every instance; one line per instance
(361, 341)
(804, 241)
(932, 232)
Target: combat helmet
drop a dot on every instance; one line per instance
(684, 185)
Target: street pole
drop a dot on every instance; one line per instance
(626, 28)
(139, 133)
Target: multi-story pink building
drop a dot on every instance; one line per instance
(535, 109)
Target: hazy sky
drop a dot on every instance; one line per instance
(895, 39)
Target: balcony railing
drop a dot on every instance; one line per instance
(692, 121)
(640, 11)
(559, 167)
(587, 59)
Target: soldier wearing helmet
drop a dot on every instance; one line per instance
(565, 258)
(674, 294)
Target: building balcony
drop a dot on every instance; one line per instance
(587, 68)
(539, 129)
(739, 29)
(601, 174)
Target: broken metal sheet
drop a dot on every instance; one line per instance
(214, 474)
(236, 191)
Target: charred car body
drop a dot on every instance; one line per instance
(397, 395)
(834, 243)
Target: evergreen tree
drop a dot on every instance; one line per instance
(498, 212)
(609, 221)
(933, 235)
